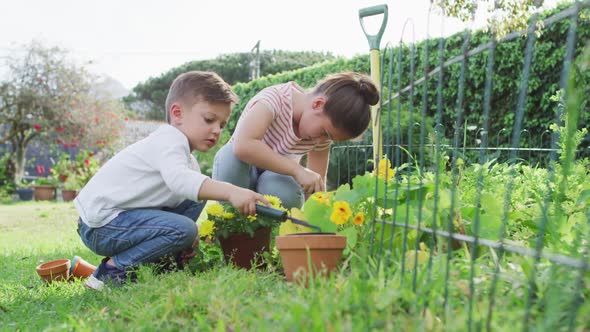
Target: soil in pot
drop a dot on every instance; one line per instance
(54, 271)
(241, 249)
(300, 252)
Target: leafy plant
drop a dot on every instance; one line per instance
(73, 182)
(64, 166)
(224, 219)
(85, 165)
(45, 182)
(345, 210)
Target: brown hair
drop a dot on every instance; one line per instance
(192, 86)
(349, 98)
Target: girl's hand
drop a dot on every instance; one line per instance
(245, 200)
(309, 181)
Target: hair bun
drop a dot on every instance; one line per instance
(369, 92)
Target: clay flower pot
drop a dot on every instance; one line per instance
(241, 249)
(325, 252)
(44, 192)
(54, 270)
(80, 268)
(68, 195)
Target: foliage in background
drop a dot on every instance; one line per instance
(233, 68)
(549, 50)
(502, 16)
(46, 96)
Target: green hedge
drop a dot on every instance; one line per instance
(509, 57)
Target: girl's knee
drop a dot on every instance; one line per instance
(283, 187)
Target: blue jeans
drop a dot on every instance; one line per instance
(144, 235)
(227, 167)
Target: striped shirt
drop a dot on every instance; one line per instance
(280, 136)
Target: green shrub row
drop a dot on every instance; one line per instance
(547, 64)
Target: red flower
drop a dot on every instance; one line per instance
(91, 154)
(86, 162)
(37, 127)
(58, 141)
(40, 169)
(66, 145)
(60, 129)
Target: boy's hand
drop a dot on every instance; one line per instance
(309, 181)
(245, 200)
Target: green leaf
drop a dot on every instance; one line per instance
(351, 236)
(318, 213)
(584, 196)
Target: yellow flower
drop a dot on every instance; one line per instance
(251, 217)
(340, 213)
(274, 201)
(384, 170)
(207, 228)
(215, 210)
(359, 219)
(227, 215)
(323, 198)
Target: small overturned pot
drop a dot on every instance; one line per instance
(57, 270)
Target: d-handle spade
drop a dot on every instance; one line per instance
(374, 42)
(283, 216)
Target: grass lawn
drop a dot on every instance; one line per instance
(220, 298)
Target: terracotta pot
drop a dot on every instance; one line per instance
(44, 193)
(325, 252)
(80, 268)
(54, 270)
(241, 249)
(68, 195)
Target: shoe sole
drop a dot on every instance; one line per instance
(94, 283)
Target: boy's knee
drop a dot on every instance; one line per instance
(189, 232)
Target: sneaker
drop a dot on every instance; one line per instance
(105, 274)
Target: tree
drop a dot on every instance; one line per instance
(149, 97)
(503, 16)
(49, 97)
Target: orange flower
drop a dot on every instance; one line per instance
(359, 219)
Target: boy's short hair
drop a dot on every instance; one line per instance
(193, 86)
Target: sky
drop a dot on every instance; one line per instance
(132, 40)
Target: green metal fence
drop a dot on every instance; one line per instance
(485, 229)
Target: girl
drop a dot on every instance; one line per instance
(284, 122)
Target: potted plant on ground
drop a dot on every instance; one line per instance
(304, 250)
(71, 187)
(44, 189)
(243, 239)
(62, 168)
(24, 191)
(340, 215)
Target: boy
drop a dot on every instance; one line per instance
(141, 206)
